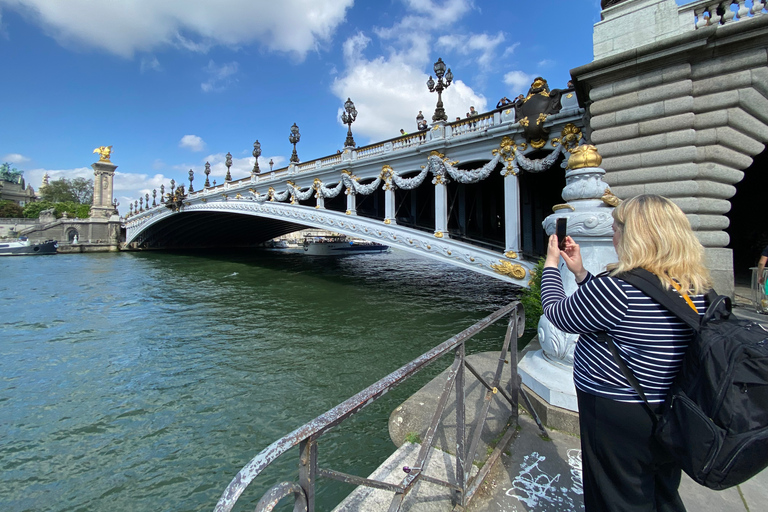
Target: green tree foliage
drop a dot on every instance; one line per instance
(32, 210)
(9, 173)
(9, 209)
(531, 297)
(76, 190)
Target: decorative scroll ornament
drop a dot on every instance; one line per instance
(104, 153)
(387, 175)
(507, 150)
(609, 198)
(569, 137)
(506, 268)
(511, 255)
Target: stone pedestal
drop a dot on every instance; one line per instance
(103, 175)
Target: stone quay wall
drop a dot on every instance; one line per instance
(683, 117)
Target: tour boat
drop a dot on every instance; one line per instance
(23, 247)
(340, 246)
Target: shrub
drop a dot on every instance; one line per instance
(9, 209)
(531, 297)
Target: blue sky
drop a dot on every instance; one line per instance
(171, 84)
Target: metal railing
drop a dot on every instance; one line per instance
(462, 489)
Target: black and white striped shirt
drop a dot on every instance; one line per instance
(650, 339)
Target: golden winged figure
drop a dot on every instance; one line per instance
(104, 152)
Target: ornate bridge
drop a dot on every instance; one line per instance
(472, 193)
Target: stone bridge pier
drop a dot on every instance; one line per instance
(677, 98)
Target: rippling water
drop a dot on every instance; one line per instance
(145, 381)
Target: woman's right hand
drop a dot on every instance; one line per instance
(571, 255)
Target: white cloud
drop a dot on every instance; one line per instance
(518, 81)
(192, 142)
(471, 44)
(124, 28)
(150, 64)
(220, 77)
(15, 158)
(385, 103)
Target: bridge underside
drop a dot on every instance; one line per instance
(214, 230)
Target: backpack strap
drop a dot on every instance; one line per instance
(604, 337)
(649, 284)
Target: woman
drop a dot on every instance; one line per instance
(623, 468)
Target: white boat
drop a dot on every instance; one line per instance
(340, 246)
(23, 247)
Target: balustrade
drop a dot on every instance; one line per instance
(706, 13)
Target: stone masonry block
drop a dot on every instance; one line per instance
(628, 131)
(640, 113)
(665, 173)
(719, 101)
(680, 105)
(602, 48)
(755, 103)
(722, 155)
(738, 141)
(625, 192)
(618, 163)
(711, 119)
(668, 156)
(709, 222)
(750, 58)
(714, 84)
(719, 172)
(666, 91)
(760, 80)
(637, 83)
(703, 205)
(603, 121)
(747, 124)
(665, 124)
(680, 138)
(634, 146)
(692, 188)
(713, 238)
(615, 103)
(601, 92)
(676, 72)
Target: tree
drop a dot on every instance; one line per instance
(76, 190)
(10, 210)
(32, 210)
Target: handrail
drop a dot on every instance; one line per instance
(306, 436)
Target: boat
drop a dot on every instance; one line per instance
(340, 245)
(23, 247)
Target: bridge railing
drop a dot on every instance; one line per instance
(462, 488)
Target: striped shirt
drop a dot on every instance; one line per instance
(650, 339)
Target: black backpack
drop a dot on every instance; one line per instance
(714, 421)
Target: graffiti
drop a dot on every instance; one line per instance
(536, 489)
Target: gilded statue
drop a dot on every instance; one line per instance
(104, 152)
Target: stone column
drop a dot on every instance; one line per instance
(103, 172)
(549, 371)
(351, 202)
(441, 206)
(512, 212)
(389, 205)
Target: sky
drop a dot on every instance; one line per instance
(173, 84)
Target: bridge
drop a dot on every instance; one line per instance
(472, 193)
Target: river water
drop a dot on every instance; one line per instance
(145, 381)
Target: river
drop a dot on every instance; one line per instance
(145, 381)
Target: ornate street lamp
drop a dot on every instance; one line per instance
(162, 193)
(146, 199)
(191, 177)
(439, 87)
(271, 163)
(348, 117)
(207, 173)
(154, 197)
(228, 162)
(293, 138)
(256, 154)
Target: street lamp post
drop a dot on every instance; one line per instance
(228, 163)
(348, 117)
(256, 154)
(439, 87)
(207, 173)
(293, 138)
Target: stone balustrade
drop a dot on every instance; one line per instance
(706, 13)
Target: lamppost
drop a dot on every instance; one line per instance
(228, 163)
(256, 154)
(293, 138)
(207, 173)
(348, 117)
(191, 177)
(439, 87)
(271, 163)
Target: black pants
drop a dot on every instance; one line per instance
(623, 467)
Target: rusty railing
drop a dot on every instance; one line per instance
(462, 489)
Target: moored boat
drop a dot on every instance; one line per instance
(23, 247)
(340, 246)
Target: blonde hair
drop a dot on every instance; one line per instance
(656, 235)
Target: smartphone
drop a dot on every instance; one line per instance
(562, 226)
